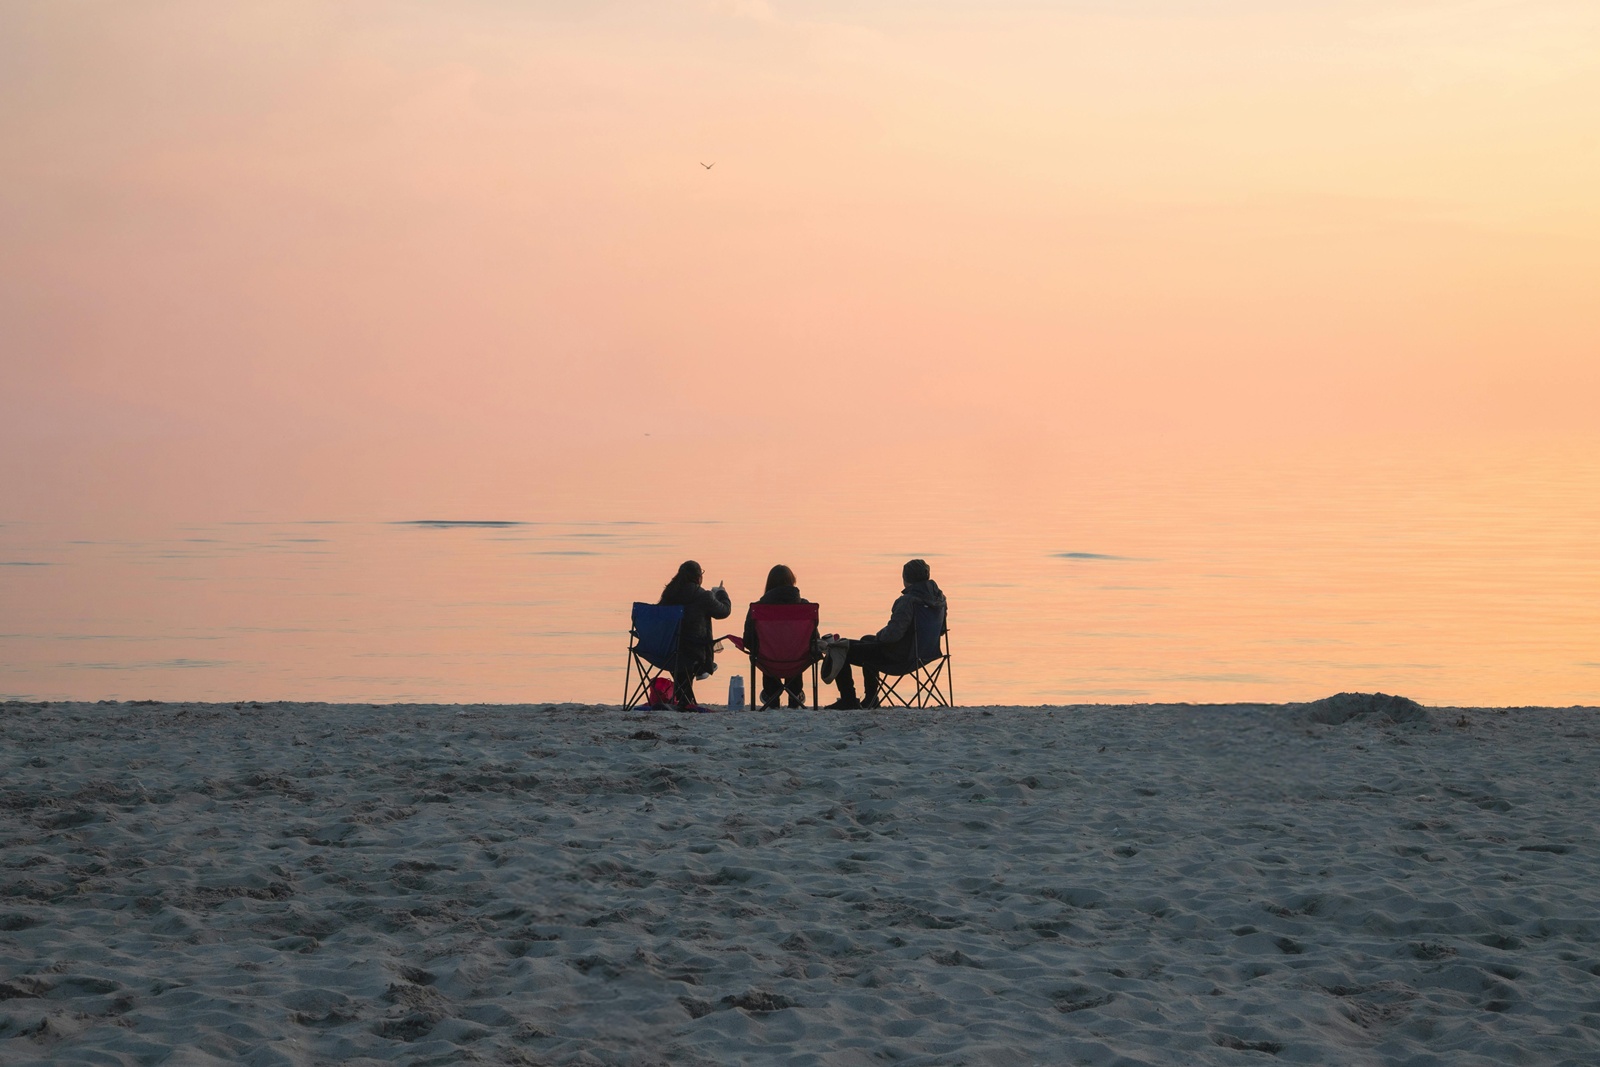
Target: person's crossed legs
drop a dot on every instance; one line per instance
(873, 658)
(773, 689)
(689, 668)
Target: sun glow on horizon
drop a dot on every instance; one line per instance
(375, 262)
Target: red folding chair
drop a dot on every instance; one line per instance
(784, 637)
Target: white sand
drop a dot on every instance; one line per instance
(304, 884)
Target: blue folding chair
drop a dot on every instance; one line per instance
(928, 674)
(652, 649)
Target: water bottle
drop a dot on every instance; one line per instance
(736, 692)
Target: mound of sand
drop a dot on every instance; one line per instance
(1342, 707)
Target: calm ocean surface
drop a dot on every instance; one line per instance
(1450, 578)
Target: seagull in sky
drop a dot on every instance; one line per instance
(708, 166)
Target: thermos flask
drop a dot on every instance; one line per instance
(736, 692)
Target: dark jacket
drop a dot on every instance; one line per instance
(784, 594)
(700, 606)
(899, 633)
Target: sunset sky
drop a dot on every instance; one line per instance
(382, 259)
(1211, 350)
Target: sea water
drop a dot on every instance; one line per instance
(1448, 577)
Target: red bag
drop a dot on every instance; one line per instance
(661, 694)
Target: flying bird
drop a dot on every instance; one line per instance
(708, 166)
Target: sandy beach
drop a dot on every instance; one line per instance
(308, 883)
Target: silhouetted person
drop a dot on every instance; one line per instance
(700, 606)
(892, 649)
(780, 590)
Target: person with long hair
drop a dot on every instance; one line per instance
(700, 606)
(781, 589)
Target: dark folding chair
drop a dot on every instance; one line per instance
(783, 635)
(927, 676)
(652, 649)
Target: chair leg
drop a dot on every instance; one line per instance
(949, 672)
(629, 691)
(937, 687)
(889, 690)
(636, 681)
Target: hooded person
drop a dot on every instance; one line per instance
(892, 649)
(700, 606)
(781, 589)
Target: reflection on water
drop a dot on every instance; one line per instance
(1453, 580)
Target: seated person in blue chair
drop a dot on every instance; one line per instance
(700, 606)
(892, 649)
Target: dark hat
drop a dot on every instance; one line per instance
(915, 570)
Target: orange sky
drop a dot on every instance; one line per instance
(377, 259)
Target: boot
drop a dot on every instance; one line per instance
(847, 699)
(870, 678)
